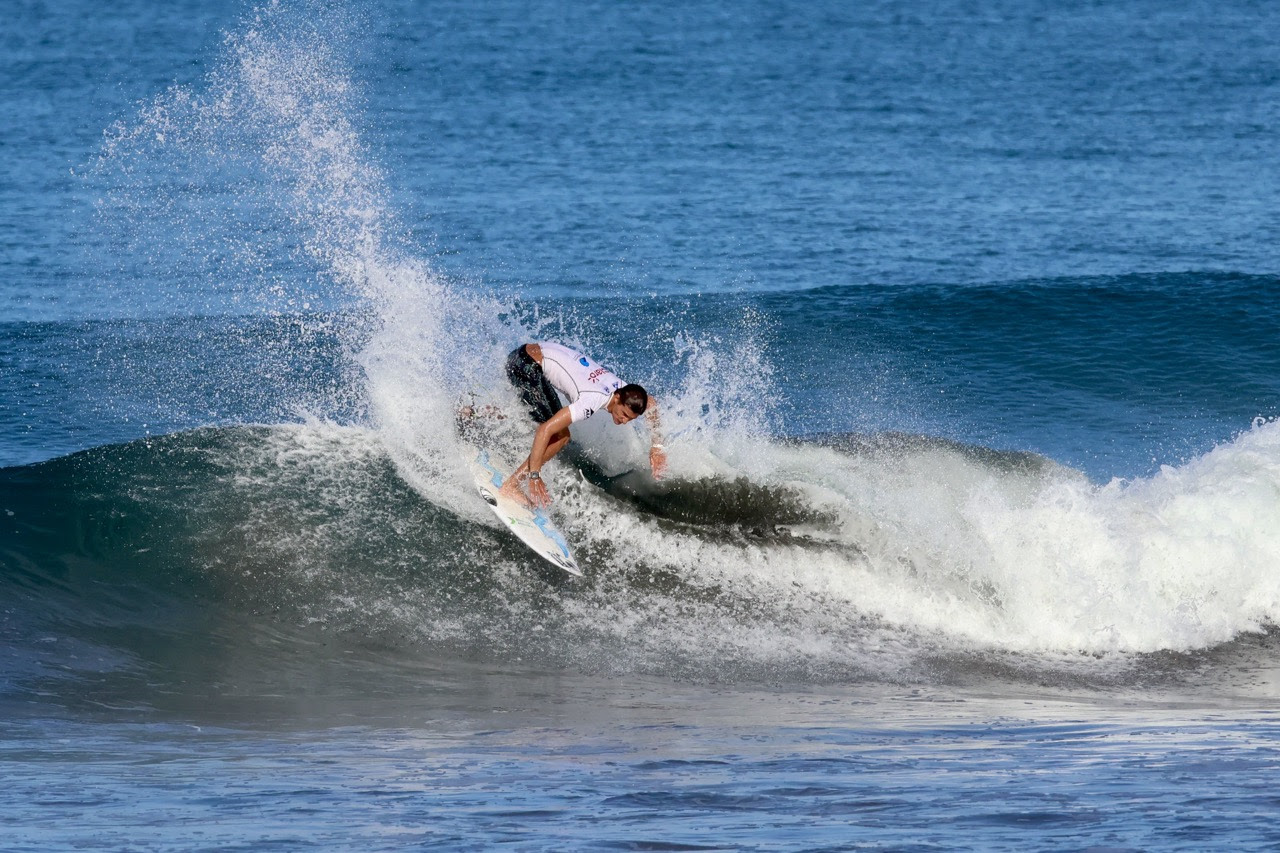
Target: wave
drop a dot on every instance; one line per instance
(901, 558)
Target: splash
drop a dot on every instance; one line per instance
(220, 186)
(254, 192)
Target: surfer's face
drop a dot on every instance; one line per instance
(621, 414)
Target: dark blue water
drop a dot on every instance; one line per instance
(963, 322)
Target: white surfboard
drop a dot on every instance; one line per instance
(533, 526)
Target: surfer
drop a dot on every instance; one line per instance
(538, 371)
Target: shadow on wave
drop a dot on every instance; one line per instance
(719, 508)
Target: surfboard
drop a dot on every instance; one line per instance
(531, 525)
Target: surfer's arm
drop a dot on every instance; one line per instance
(657, 453)
(549, 439)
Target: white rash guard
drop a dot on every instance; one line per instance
(586, 385)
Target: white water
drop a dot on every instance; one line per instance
(965, 555)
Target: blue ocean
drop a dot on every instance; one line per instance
(964, 320)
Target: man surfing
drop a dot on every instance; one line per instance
(538, 371)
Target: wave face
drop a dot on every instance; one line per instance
(896, 558)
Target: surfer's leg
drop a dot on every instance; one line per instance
(531, 385)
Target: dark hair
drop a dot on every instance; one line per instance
(634, 398)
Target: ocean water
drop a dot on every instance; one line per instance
(963, 319)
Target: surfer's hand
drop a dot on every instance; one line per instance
(538, 493)
(657, 461)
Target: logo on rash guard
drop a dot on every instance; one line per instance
(596, 374)
(583, 361)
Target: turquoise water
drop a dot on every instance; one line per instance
(963, 321)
